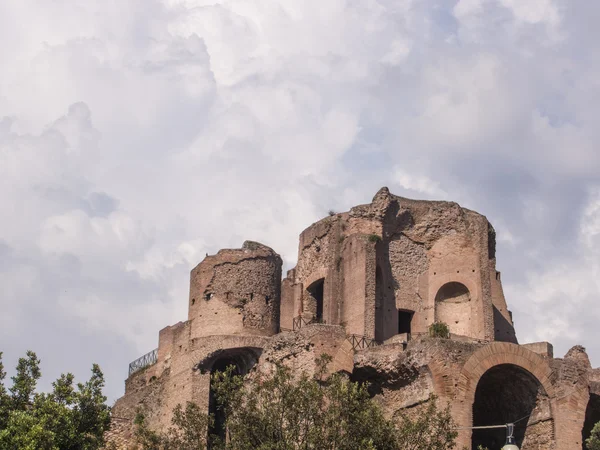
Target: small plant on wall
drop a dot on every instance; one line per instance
(439, 330)
(374, 238)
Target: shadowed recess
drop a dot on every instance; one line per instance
(505, 394)
(592, 416)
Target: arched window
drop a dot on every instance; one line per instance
(453, 292)
(316, 293)
(453, 307)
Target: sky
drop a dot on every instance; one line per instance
(138, 135)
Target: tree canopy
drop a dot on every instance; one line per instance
(593, 442)
(281, 411)
(71, 417)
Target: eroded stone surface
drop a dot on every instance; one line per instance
(368, 284)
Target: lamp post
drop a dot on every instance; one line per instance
(511, 444)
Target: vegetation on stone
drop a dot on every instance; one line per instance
(593, 442)
(439, 330)
(284, 412)
(68, 418)
(431, 429)
(188, 432)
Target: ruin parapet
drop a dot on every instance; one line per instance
(236, 291)
(397, 265)
(367, 286)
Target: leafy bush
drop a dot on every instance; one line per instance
(374, 238)
(431, 429)
(593, 442)
(439, 330)
(284, 411)
(188, 431)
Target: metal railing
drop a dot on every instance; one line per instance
(361, 342)
(144, 361)
(299, 322)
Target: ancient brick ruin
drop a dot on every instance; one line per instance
(367, 286)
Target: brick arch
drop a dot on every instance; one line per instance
(440, 280)
(315, 275)
(479, 363)
(320, 273)
(477, 307)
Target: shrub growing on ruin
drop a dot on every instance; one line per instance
(428, 429)
(374, 238)
(68, 418)
(439, 330)
(281, 412)
(593, 442)
(188, 431)
(286, 412)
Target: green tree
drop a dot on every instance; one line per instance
(147, 438)
(593, 442)
(25, 382)
(430, 429)
(280, 412)
(188, 431)
(284, 412)
(65, 419)
(91, 415)
(4, 397)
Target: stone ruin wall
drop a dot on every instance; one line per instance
(237, 305)
(236, 291)
(413, 248)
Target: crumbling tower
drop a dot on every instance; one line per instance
(236, 291)
(367, 286)
(395, 266)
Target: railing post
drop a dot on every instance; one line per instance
(144, 361)
(361, 342)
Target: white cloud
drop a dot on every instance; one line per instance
(138, 136)
(534, 11)
(420, 184)
(466, 8)
(559, 297)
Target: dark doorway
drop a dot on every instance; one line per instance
(316, 292)
(218, 428)
(404, 320)
(592, 416)
(241, 360)
(505, 394)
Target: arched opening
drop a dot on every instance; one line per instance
(592, 417)
(316, 293)
(509, 394)
(453, 307)
(242, 360)
(218, 427)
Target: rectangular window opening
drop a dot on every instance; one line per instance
(404, 320)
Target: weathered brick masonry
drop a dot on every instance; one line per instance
(366, 288)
